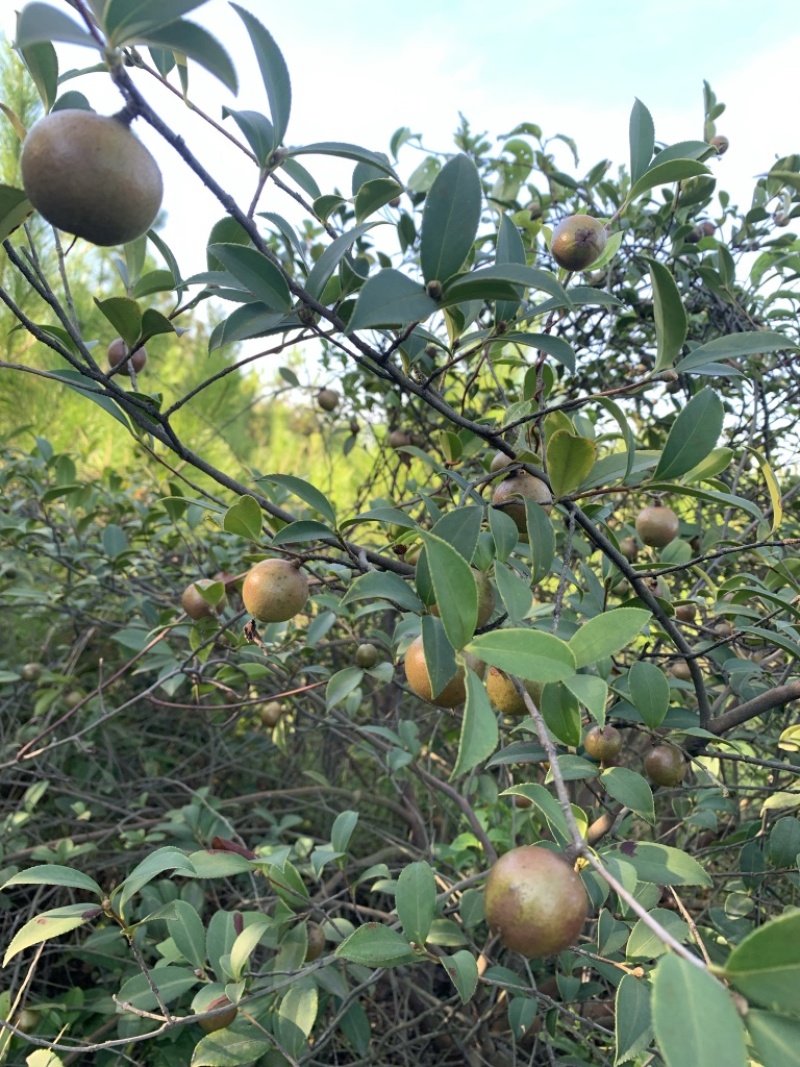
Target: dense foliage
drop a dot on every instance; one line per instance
(199, 812)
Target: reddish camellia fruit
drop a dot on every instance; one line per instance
(657, 526)
(721, 143)
(118, 350)
(578, 241)
(535, 902)
(686, 612)
(223, 1019)
(664, 765)
(274, 590)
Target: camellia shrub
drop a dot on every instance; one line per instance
(234, 838)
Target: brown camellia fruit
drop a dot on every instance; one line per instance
(485, 597)
(328, 399)
(455, 692)
(680, 669)
(511, 493)
(194, 605)
(89, 175)
(535, 901)
(503, 693)
(578, 241)
(686, 612)
(499, 460)
(219, 1022)
(603, 742)
(629, 548)
(274, 590)
(657, 526)
(664, 765)
(118, 350)
(316, 941)
(271, 713)
(721, 143)
(366, 655)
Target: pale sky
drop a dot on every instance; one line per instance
(362, 68)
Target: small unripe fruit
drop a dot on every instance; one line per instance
(511, 493)
(271, 713)
(657, 526)
(577, 242)
(73, 698)
(366, 656)
(193, 603)
(118, 350)
(434, 289)
(316, 941)
(721, 143)
(535, 901)
(499, 460)
(686, 612)
(221, 1021)
(603, 742)
(398, 439)
(328, 399)
(665, 765)
(274, 590)
(629, 548)
(31, 672)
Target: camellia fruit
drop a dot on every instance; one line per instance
(316, 941)
(577, 242)
(504, 695)
(366, 655)
(535, 902)
(657, 526)
(603, 742)
(221, 1020)
(328, 399)
(455, 692)
(680, 669)
(193, 603)
(118, 350)
(511, 493)
(274, 590)
(721, 143)
(485, 598)
(664, 765)
(686, 612)
(398, 439)
(89, 175)
(271, 713)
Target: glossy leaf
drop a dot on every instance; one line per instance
(776, 1038)
(606, 634)
(649, 691)
(633, 1019)
(389, 299)
(543, 799)
(346, 151)
(296, 1016)
(645, 943)
(274, 72)
(303, 530)
(251, 320)
(454, 588)
(772, 488)
(735, 345)
(669, 313)
(39, 22)
(375, 194)
(195, 43)
(440, 658)
(450, 219)
(375, 945)
(54, 874)
(570, 458)
(490, 283)
(479, 733)
(541, 540)
(42, 63)
(515, 592)
(75, 380)
(306, 492)
(49, 924)
(694, 1018)
(415, 901)
(327, 263)
(259, 134)
(556, 347)
(383, 586)
(171, 982)
(163, 859)
(631, 789)
(244, 518)
(561, 712)
(692, 436)
(229, 1049)
(641, 134)
(592, 692)
(463, 970)
(659, 864)
(765, 966)
(665, 173)
(123, 21)
(510, 249)
(256, 272)
(125, 316)
(532, 655)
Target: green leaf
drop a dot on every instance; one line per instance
(649, 692)
(463, 970)
(274, 71)
(55, 874)
(644, 943)
(718, 460)
(634, 1025)
(390, 299)
(592, 692)
(226, 1048)
(606, 634)
(75, 380)
(659, 864)
(641, 135)
(415, 901)
(327, 263)
(669, 313)
(250, 320)
(261, 277)
(734, 345)
(123, 20)
(50, 924)
(479, 734)
(450, 219)
(341, 685)
(155, 281)
(692, 436)
(664, 173)
(784, 842)
(188, 933)
(440, 658)
(570, 458)
(556, 347)
(510, 249)
(259, 134)
(375, 945)
(631, 789)
(38, 22)
(772, 488)
(244, 518)
(163, 859)
(775, 1037)
(244, 946)
(765, 966)
(194, 42)
(543, 799)
(296, 1017)
(562, 715)
(114, 540)
(384, 586)
(454, 588)
(171, 982)
(344, 150)
(307, 492)
(125, 316)
(694, 1018)
(14, 209)
(42, 63)
(492, 283)
(529, 654)
(303, 530)
(541, 540)
(374, 194)
(515, 592)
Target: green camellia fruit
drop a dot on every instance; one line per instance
(328, 399)
(603, 742)
(578, 241)
(271, 713)
(657, 526)
(366, 655)
(89, 175)
(664, 765)
(535, 901)
(274, 590)
(31, 672)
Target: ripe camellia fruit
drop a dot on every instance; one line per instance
(274, 590)
(328, 399)
(511, 493)
(89, 175)
(193, 603)
(485, 598)
(578, 241)
(629, 548)
(504, 696)
(366, 655)
(118, 350)
(219, 1022)
(535, 901)
(271, 713)
(398, 439)
(664, 765)
(680, 669)
(603, 742)
(455, 692)
(686, 612)
(657, 526)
